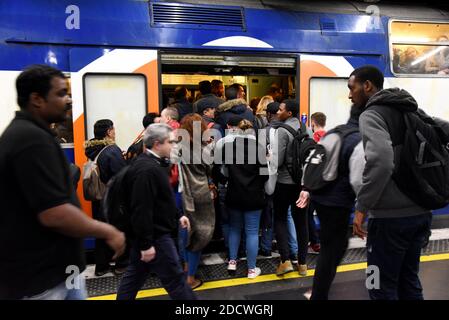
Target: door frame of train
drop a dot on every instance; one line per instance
(108, 61)
(318, 66)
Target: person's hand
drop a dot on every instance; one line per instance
(148, 255)
(357, 229)
(117, 243)
(213, 191)
(303, 200)
(185, 222)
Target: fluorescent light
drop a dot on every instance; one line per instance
(427, 55)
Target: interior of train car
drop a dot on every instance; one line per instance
(256, 73)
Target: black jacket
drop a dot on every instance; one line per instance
(110, 161)
(247, 172)
(233, 107)
(339, 193)
(183, 106)
(150, 201)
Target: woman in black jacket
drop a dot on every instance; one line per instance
(245, 197)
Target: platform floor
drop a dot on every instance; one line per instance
(349, 283)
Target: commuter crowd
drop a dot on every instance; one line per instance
(254, 172)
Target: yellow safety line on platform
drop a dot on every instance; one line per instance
(263, 278)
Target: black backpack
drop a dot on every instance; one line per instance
(114, 205)
(421, 157)
(323, 163)
(301, 145)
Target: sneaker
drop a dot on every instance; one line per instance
(308, 294)
(302, 269)
(253, 273)
(232, 266)
(284, 267)
(315, 248)
(294, 259)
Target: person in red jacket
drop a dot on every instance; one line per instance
(318, 122)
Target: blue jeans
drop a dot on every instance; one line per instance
(394, 246)
(224, 213)
(267, 236)
(61, 292)
(292, 240)
(165, 265)
(250, 221)
(191, 257)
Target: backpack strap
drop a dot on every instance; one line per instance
(101, 151)
(286, 127)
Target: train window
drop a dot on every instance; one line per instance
(121, 98)
(419, 48)
(334, 104)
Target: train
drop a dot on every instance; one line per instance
(123, 58)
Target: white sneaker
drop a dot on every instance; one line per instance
(232, 265)
(253, 273)
(308, 294)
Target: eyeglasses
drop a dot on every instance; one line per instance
(172, 141)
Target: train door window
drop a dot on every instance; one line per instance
(419, 48)
(334, 103)
(118, 97)
(255, 73)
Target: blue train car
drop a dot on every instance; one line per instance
(123, 58)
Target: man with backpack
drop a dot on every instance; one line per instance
(109, 160)
(153, 219)
(333, 200)
(288, 188)
(399, 187)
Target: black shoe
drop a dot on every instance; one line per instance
(119, 271)
(101, 273)
(264, 253)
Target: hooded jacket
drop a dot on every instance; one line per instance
(379, 195)
(281, 146)
(233, 107)
(110, 161)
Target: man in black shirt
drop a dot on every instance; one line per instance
(41, 225)
(154, 220)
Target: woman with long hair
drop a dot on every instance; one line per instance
(261, 112)
(198, 193)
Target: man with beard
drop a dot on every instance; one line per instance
(398, 227)
(42, 227)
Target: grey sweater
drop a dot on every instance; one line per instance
(281, 146)
(379, 196)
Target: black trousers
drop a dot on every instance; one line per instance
(394, 248)
(334, 223)
(165, 265)
(313, 234)
(285, 196)
(103, 253)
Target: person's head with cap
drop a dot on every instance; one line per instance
(289, 108)
(205, 110)
(272, 110)
(233, 121)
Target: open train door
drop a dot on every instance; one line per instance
(117, 84)
(323, 87)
